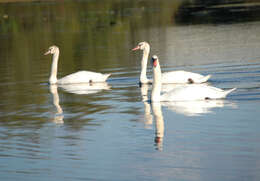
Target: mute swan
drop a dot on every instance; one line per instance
(178, 77)
(185, 92)
(78, 77)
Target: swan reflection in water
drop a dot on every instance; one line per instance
(85, 88)
(89, 88)
(58, 117)
(187, 108)
(147, 108)
(157, 115)
(145, 98)
(159, 125)
(197, 108)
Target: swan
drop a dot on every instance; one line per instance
(77, 77)
(188, 92)
(178, 77)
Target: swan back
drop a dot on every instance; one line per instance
(195, 92)
(83, 77)
(181, 76)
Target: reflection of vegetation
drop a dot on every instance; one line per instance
(58, 19)
(91, 36)
(89, 33)
(218, 11)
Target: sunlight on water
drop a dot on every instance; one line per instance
(110, 131)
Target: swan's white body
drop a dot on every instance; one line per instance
(195, 92)
(185, 92)
(78, 77)
(83, 77)
(178, 77)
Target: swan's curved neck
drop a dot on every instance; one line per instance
(156, 90)
(54, 68)
(143, 77)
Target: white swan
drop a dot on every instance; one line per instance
(178, 77)
(189, 92)
(78, 77)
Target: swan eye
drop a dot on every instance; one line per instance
(154, 60)
(141, 46)
(52, 49)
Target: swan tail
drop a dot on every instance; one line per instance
(106, 76)
(204, 79)
(228, 91)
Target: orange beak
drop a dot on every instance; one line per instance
(48, 52)
(136, 48)
(154, 62)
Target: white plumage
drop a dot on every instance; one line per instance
(78, 77)
(185, 92)
(177, 77)
(195, 92)
(180, 76)
(83, 77)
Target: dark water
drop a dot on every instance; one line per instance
(109, 131)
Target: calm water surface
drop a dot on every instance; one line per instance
(110, 131)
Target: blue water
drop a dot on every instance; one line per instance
(108, 135)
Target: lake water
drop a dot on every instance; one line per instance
(110, 131)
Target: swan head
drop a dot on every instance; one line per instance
(155, 61)
(142, 46)
(52, 50)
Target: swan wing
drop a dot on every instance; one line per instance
(195, 92)
(181, 76)
(83, 77)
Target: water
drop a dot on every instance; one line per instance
(109, 131)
